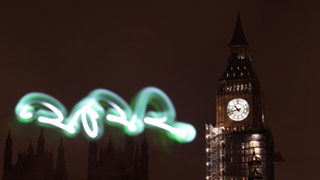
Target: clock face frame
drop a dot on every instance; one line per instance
(238, 109)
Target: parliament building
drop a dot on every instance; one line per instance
(114, 164)
(34, 165)
(240, 145)
(106, 164)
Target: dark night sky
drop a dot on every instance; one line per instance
(66, 49)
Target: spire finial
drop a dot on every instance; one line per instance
(238, 4)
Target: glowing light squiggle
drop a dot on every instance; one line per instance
(105, 106)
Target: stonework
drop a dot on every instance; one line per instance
(240, 146)
(33, 165)
(115, 164)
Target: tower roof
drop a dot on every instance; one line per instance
(61, 147)
(238, 34)
(239, 65)
(41, 137)
(9, 140)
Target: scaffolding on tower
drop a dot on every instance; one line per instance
(215, 153)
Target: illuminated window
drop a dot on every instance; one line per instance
(231, 68)
(254, 144)
(234, 74)
(242, 159)
(242, 145)
(241, 55)
(238, 67)
(245, 67)
(255, 136)
(227, 74)
(231, 159)
(242, 128)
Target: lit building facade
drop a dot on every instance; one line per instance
(240, 146)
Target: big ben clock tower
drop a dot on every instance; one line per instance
(240, 146)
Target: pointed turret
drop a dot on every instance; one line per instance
(92, 158)
(240, 80)
(239, 66)
(30, 150)
(41, 143)
(144, 160)
(7, 159)
(60, 172)
(238, 37)
(9, 140)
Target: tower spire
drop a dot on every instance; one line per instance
(144, 160)
(238, 37)
(238, 5)
(41, 142)
(7, 159)
(60, 172)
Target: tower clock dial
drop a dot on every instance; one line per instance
(238, 109)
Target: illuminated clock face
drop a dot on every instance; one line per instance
(238, 109)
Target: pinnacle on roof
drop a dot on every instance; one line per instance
(238, 34)
(9, 140)
(61, 147)
(30, 148)
(41, 137)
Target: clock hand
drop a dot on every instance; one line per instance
(236, 107)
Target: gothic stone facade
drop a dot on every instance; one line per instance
(240, 146)
(114, 164)
(33, 165)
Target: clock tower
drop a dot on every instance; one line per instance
(240, 146)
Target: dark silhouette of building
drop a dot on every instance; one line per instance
(240, 146)
(114, 164)
(31, 165)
